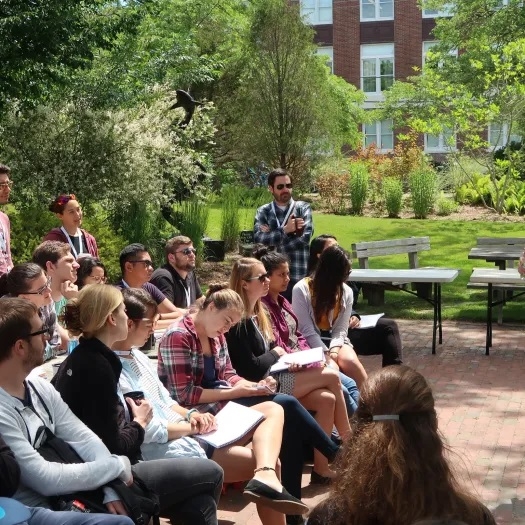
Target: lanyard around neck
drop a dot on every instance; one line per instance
(287, 216)
(73, 249)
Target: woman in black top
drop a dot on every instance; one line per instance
(188, 488)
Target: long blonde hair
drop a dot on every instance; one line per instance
(87, 313)
(242, 270)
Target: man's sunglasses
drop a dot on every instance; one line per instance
(41, 291)
(282, 186)
(261, 278)
(146, 263)
(187, 251)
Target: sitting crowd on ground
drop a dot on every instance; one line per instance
(374, 440)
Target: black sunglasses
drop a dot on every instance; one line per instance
(146, 263)
(261, 278)
(187, 251)
(282, 186)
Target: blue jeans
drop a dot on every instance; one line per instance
(40, 516)
(350, 393)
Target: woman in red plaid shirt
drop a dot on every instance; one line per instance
(195, 367)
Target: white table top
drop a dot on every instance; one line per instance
(496, 252)
(495, 276)
(417, 275)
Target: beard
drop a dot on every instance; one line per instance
(35, 358)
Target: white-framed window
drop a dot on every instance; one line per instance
(377, 10)
(441, 143)
(377, 67)
(428, 45)
(328, 53)
(445, 11)
(380, 133)
(317, 12)
(500, 135)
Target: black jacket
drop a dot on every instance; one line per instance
(9, 471)
(88, 382)
(247, 351)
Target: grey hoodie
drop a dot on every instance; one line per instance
(21, 428)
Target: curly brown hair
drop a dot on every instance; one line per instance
(394, 472)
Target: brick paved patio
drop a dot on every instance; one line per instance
(480, 403)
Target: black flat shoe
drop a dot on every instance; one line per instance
(283, 502)
(317, 479)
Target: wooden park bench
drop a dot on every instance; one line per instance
(246, 243)
(362, 251)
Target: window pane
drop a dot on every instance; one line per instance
(325, 14)
(386, 9)
(386, 67)
(386, 82)
(325, 3)
(308, 4)
(387, 141)
(369, 68)
(433, 141)
(369, 84)
(377, 50)
(370, 128)
(368, 10)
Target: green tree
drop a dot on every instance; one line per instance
(484, 85)
(282, 105)
(44, 41)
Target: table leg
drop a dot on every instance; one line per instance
(438, 290)
(488, 339)
(436, 318)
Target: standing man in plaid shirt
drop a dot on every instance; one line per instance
(285, 224)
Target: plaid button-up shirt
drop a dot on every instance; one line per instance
(181, 365)
(296, 248)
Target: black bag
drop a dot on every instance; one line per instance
(140, 502)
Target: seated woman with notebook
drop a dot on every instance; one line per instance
(194, 365)
(253, 351)
(323, 306)
(174, 431)
(284, 320)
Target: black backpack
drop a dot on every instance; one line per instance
(141, 503)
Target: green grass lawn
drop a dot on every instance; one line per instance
(450, 243)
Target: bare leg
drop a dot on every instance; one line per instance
(350, 365)
(323, 403)
(238, 463)
(308, 381)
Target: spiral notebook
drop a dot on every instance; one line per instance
(234, 421)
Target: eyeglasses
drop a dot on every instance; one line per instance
(282, 186)
(40, 291)
(187, 251)
(97, 279)
(8, 184)
(42, 331)
(146, 263)
(261, 278)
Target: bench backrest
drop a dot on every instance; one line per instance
(411, 245)
(501, 241)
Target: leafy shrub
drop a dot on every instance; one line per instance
(333, 190)
(445, 206)
(392, 189)
(359, 182)
(192, 221)
(230, 224)
(423, 184)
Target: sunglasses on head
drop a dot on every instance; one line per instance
(261, 278)
(282, 186)
(187, 251)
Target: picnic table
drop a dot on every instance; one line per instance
(493, 277)
(434, 276)
(499, 254)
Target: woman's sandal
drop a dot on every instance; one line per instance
(258, 492)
